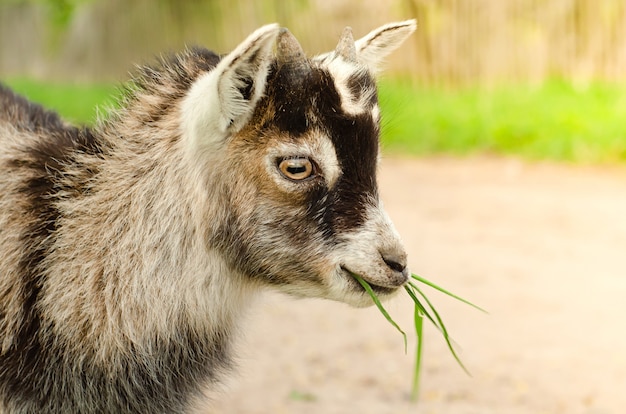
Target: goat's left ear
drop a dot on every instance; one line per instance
(372, 49)
(220, 102)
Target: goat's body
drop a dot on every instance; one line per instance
(127, 251)
(79, 213)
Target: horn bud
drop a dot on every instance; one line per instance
(346, 47)
(289, 52)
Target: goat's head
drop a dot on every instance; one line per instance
(289, 146)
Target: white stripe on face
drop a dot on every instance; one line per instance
(315, 146)
(341, 72)
(367, 250)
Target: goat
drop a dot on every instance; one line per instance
(129, 250)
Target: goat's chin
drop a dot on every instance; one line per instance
(348, 290)
(363, 300)
(345, 292)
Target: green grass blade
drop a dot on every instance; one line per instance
(446, 336)
(442, 290)
(437, 321)
(419, 323)
(380, 307)
(410, 288)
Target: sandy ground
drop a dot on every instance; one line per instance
(542, 247)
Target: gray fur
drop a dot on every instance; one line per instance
(128, 251)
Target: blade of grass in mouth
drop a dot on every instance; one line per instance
(418, 304)
(442, 327)
(418, 319)
(380, 307)
(420, 311)
(442, 290)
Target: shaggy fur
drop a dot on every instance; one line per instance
(128, 251)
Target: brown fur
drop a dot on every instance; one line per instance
(128, 251)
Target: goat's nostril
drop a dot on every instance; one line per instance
(395, 264)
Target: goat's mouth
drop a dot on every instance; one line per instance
(355, 285)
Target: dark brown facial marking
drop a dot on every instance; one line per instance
(308, 100)
(360, 83)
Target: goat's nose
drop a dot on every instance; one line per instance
(398, 264)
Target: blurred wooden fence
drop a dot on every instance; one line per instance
(457, 42)
(489, 41)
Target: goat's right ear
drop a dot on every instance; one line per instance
(375, 46)
(220, 102)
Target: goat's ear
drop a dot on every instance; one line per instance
(372, 49)
(222, 101)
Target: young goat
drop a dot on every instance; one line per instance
(128, 251)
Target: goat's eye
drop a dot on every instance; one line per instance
(296, 168)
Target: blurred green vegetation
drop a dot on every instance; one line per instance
(77, 103)
(552, 121)
(480, 76)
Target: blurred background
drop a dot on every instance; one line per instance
(504, 135)
(541, 79)
(459, 42)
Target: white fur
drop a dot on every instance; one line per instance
(362, 251)
(376, 113)
(373, 48)
(214, 107)
(342, 71)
